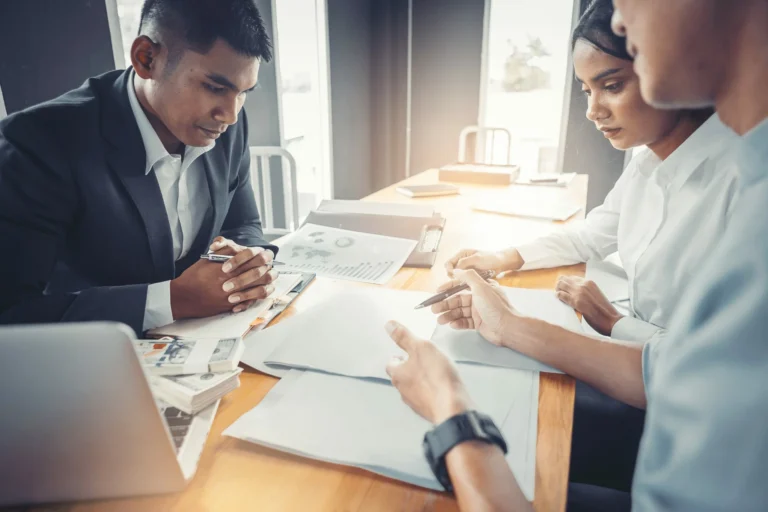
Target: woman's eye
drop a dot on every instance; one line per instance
(587, 92)
(616, 86)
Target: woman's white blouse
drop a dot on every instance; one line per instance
(663, 217)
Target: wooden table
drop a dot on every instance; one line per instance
(235, 475)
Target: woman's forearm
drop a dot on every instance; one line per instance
(482, 479)
(613, 367)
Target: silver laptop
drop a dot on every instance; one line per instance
(78, 420)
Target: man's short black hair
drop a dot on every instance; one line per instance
(197, 24)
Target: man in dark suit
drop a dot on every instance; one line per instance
(110, 193)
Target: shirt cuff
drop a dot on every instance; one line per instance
(536, 255)
(630, 328)
(157, 311)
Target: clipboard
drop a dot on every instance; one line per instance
(427, 231)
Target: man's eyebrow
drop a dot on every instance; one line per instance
(224, 81)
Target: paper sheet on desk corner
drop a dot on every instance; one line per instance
(228, 325)
(365, 424)
(344, 335)
(470, 347)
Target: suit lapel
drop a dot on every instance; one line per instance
(127, 158)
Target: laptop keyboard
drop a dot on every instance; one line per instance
(178, 423)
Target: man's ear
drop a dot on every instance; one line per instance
(144, 54)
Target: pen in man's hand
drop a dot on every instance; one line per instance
(221, 258)
(488, 274)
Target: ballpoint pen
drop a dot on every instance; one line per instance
(221, 258)
(488, 274)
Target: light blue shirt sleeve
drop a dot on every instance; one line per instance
(157, 310)
(705, 443)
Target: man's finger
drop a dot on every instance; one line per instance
(449, 284)
(472, 278)
(250, 256)
(460, 300)
(400, 335)
(564, 297)
(463, 324)
(394, 366)
(252, 277)
(255, 293)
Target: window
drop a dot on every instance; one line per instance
(302, 59)
(129, 14)
(526, 65)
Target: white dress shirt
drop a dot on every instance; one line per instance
(663, 217)
(184, 188)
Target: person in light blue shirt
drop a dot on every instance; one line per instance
(705, 386)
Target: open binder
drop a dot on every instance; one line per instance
(426, 230)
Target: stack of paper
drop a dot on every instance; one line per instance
(183, 357)
(366, 424)
(343, 335)
(193, 393)
(469, 346)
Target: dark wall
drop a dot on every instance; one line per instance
(586, 150)
(389, 85)
(446, 74)
(48, 47)
(368, 72)
(350, 39)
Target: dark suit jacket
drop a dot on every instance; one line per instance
(83, 229)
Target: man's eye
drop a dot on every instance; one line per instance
(213, 88)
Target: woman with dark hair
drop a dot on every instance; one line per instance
(665, 213)
(664, 216)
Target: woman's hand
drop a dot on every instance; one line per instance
(585, 297)
(501, 261)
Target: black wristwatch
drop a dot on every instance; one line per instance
(468, 426)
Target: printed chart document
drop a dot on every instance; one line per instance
(470, 347)
(343, 335)
(229, 324)
(365, 424)
(343, 254)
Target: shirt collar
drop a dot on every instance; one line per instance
(753, 154)
(153, 147)
(708, 140)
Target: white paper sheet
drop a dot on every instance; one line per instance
(534, 209)
(366, 424)
(469, 346)
(345, 334)
(343, 254)
(228, 325)
(373, 208)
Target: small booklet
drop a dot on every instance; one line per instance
(193, 393)
(183, 357)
